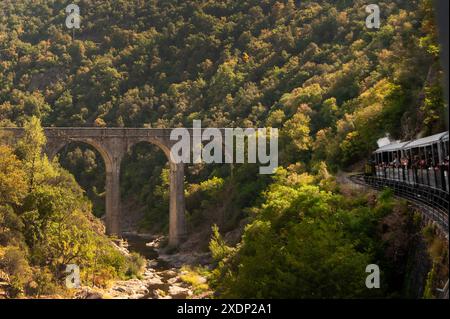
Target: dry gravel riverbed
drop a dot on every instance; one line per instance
(162, 278)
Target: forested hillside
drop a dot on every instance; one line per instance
(310, 68)
(243, 63)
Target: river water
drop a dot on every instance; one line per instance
(140, 245)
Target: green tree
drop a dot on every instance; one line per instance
(13, 182)
(29, 149)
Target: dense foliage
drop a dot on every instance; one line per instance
(309, 240)
(311, 68)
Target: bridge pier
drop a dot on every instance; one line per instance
(113, 207)
(177, 219)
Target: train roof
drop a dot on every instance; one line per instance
(422, 142)
(391, 147)
(445, 138)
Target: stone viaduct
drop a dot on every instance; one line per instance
(113, 144)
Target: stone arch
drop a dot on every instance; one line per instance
(153, 141)
(137, 173)
(112, 169)
(177, 218)
(53, 148)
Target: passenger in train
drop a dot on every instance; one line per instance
(429, 160)
(423, 163)
(405, 162)
(415, 166)
(416, 162)
(395, 162)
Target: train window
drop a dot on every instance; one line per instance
(435, 154)
(445, 150)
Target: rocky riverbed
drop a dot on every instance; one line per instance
(162, 278)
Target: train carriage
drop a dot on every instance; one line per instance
(421, 162)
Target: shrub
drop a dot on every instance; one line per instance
(14, 263)
(136, 265)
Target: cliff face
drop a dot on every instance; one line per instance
(415, 252)
(419, 265)
(429, 107)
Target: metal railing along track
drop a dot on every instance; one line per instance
(433, 203)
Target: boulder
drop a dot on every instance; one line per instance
(178, 292)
